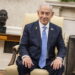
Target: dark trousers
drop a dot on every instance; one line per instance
(22, 70)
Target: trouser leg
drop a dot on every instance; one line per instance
(54, 72)
(22, 70)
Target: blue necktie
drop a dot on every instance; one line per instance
(42, 60)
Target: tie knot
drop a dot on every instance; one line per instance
(44, 28)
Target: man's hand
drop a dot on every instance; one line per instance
(57, 63)
(27, 62)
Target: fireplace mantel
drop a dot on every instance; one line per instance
(62, 4)
(65, 9)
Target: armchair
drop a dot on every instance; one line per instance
(12, 68)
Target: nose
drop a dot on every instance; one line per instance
(44, 15)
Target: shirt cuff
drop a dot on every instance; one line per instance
(24, 56)
(59, 58)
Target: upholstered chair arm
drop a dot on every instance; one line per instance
(16, 48)
(15, 51)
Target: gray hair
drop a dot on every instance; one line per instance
(45, 4)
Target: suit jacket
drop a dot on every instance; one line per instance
(31, 42)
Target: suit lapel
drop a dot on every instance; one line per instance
(38, 34)
(50, 35)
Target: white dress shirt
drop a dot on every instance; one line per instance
(41, 28)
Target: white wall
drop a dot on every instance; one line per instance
(17, 8)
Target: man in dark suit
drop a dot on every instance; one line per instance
(37, 46)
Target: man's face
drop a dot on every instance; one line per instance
(45, 14)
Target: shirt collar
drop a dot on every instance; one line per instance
(41, 25)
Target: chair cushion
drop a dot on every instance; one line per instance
(39, 72)
(11, 70)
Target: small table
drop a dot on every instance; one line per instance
(9, 37)
(10, 41)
